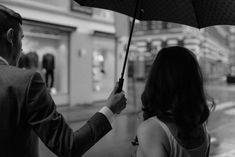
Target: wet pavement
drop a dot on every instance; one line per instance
(117, 143)
(222, 120)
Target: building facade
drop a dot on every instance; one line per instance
(74, 48)
(210, 45)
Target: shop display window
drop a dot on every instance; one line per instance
(102, 70)
(46, 50)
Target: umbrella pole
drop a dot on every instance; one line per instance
(121, 79)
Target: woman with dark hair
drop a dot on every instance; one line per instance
(175, 107)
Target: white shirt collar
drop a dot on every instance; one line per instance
(5, 61)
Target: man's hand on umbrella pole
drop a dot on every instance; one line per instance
(116, 101)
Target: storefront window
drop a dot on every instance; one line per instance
(103, 64)
(98, 70)
(46, 50)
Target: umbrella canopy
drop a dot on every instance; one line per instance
(195, 13)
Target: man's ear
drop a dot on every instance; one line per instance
(10, 35)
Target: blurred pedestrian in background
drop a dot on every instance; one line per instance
(27, 110)
(175, 107)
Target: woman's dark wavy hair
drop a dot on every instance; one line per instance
(174, 90)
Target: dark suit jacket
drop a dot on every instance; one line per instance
(27, 111)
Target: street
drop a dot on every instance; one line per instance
(222, 120)
(117, 143)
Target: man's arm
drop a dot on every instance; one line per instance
(51, 127)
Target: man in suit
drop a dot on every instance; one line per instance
(27, 110)
(48, 63)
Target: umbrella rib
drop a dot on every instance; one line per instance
(195, 14)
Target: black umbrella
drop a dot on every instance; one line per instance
(195, 13)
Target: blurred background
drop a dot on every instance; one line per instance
(80, 51)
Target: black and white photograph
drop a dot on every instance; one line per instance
(117, 78)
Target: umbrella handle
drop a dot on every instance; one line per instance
(120, 85)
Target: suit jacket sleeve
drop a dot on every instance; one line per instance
(51, 127)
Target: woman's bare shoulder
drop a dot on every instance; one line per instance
(150, 128)
(152, 138)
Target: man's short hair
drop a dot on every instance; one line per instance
(9, 19)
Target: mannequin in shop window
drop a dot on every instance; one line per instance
(22, 61)
(31, 60)
(48, 64)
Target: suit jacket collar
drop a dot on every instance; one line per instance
(3, 61)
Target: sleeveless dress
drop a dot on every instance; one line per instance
(177, 150)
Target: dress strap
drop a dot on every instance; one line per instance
(167, 131)
(164, 127)
(207, 134)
